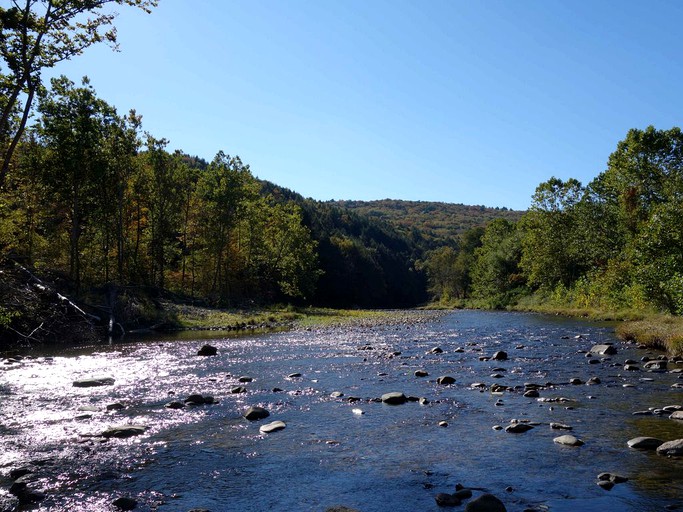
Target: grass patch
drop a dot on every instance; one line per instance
(657, 331)
(194, 317)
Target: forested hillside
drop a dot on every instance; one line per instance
(436, 222)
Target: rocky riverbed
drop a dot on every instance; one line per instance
(473, 411)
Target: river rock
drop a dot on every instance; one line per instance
(436, 350)
(174, 405)
(604, 350)
(518, 428)
(532, 393)
(394, 398)
(295, 375)
(655, 365)
(421, 373)
(238, 389)
(500, 356)
(336, 394)
(445, 380)
(124, 431)
(614, 478)
(631, 368)
(568, 440)
(593, 381)
(671, 448)
(93, 382)
(198, 399)
(124, 503)
(207, 350)
(272, 427)
(485, 503)
(677, 415)
(575, 381)
(24, 493)
(115, 406)
(462, 493)
(341, 508)
(244, 379)
(255, 413)
(560, 426)
(605, 484)
(446, 500)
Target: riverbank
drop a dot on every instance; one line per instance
(186, 317)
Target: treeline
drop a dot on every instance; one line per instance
(95, 201)
(91, 197)
(616, 243)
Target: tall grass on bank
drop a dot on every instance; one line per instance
(657, 331)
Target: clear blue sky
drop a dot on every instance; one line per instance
(473, 102)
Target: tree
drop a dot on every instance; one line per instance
(36, 35)
(441, 273)
(495, 273)
(74, 126)
(225, 189)
(164, 202)
(551, 252)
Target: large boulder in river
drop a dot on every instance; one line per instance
(672, 448)
(394, 398)
(93, 382)
(604, 350)
(445, 380)
(485, 503)
(256, 413)
(207, 350)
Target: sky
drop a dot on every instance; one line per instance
(473, 102)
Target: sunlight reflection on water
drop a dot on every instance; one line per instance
(389, 457)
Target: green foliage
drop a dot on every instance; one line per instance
(36, 35)
(431, 224)
(496, 274)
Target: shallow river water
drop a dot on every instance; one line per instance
(362, 454)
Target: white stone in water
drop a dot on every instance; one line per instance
(568, 440)
(272, 427)
(358, 411)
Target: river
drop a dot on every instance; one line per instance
(362, 453)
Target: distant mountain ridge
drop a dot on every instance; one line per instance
(437, 222)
